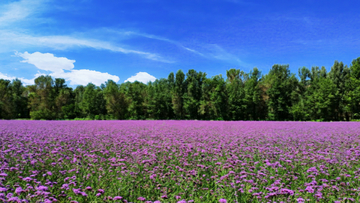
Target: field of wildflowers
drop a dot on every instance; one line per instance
(179, 161)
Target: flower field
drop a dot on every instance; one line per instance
(179, 161)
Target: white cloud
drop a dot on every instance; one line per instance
(85, 76)
(58, 65)
(23, 80)
(47, 61)
(143, 77)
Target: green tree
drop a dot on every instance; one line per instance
(177, 95)
(339, 74)
(192, 95)
(19, 99)
(236, 94)
(5, 100)
(281, 85)
(213, 101)
(136, 92)
(298, 110)
(116, 101)
(41, 98)
(159, 100)
(255, 107)
(353, 90)
(93, 102)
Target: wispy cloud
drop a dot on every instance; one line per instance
(163, 39)
(19, 10)
(67, 42)
(209, 51)
(12, 16)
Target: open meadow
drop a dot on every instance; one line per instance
(179, 161)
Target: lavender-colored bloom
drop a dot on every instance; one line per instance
(117, 198)
(27, 179)
(300, 199)
(42, 188)
(18, 190)
(254, 154)
(141, 198)
(309, 189)
(181, 201)
(77, 191)
(3, 175)
(14, 199)
(222, 200)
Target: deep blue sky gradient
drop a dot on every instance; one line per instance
(210, 36)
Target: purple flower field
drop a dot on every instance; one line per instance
(179, 161)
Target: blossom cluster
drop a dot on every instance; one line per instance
(179, 161)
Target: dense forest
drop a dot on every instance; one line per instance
(314, 94)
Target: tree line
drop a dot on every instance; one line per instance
(314, 94)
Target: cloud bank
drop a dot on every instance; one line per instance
(23, 80)
(58, 65)
(143, 77)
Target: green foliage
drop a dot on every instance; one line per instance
(279, 95)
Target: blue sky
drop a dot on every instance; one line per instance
(92, 41)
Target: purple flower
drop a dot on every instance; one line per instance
(42, 188)
(27, 179)
(117, 198)
(65, 186)
(309, 189)
(15, 199)
(222, 201)
(9, 195)
(181, 201)
(101, 190)
(2, 189)
(300, 199)
(157, 201)
(77, 191)
(153, 176)
(3, 175)
(141, 199)
(19, 190)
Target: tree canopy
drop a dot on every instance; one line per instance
(314, 94)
